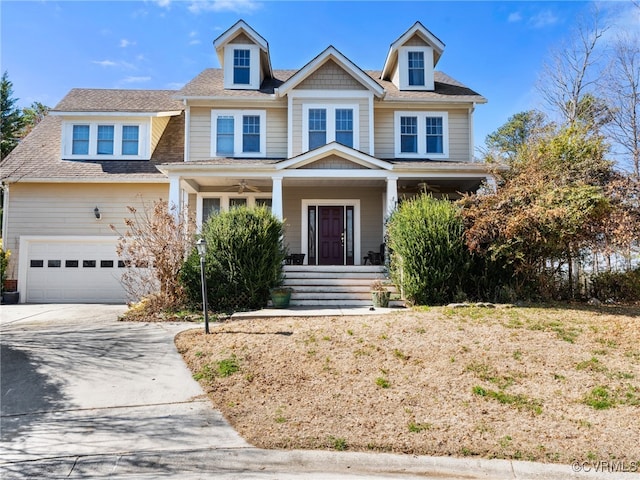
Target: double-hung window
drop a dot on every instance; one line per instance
(241, 66)
(317, 127)
(344, 126)
(238, 133)
(130, 139)
(322, 124)
(80, 141)
(105, 139)
(422, 134)
(416, 68)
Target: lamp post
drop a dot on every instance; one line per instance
(201, 245)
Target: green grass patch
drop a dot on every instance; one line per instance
(382, 382)
(599, 398)
(521, 402)
(419, 427)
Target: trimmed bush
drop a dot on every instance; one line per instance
(244, 260)
(617, 286)
(430, 260)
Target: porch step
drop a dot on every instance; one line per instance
(342, 286)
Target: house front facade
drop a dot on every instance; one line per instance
(330, 148)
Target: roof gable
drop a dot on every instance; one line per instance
(418, 34)
(241, 32)
(331, 54)
(324, 157)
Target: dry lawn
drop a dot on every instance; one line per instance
(542, 384)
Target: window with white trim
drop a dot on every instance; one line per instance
(242, 66)
(322, 124)
(105, 140)
(238, 133)
(421, 134)
(416, 68)
(213, 203)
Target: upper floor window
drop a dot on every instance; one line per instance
(130, 139)
(239, 133)
(322, 124)
(421, 134)
(241, 66)
(104, 140)
(80, 142)
(416, 68)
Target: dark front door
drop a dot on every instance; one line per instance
(330, 235)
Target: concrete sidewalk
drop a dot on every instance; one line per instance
(85, 396)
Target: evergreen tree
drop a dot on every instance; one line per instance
(12, 120)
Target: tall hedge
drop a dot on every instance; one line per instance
(244, 260)
(429, 259)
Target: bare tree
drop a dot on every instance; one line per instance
(621, 82)
(568, 74)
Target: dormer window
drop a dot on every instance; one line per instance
(241, 66)
(111, 140)
(416, 68)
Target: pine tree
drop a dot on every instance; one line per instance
(12, 120)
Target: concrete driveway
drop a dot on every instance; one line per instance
(86, 396)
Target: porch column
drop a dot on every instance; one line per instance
(175, 205)
(392, 194)
(491, 183)
(276, 197)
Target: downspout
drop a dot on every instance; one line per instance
(5, 211)
(187, 122)
(471, 139)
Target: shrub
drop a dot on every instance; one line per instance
(617, 286)
(243, 261)
(429, 259)
(4, 264)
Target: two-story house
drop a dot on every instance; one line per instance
(330, 148)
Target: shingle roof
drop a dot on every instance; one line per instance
(101, 100)
(38, 157)
(210, 83)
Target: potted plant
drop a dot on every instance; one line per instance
(379, 294)
(280, 296)
(8, 287)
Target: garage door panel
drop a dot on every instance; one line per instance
(74, 270)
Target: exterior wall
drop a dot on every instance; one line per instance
(158, 124)
(67, 209)
(333, 162)
(241, 38)
(415, 41)
(363, 118)
(330, 76)
(200, 131)
(371, 220)
(458, 133)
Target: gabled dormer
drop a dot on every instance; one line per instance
(244, 57)
(412, 59)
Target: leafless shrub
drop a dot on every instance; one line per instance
(153, 248)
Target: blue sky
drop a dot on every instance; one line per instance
(497, 48)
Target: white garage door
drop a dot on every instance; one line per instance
(72, 270)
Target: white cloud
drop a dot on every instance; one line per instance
(543, 19)
(514, 17)
(163, 3)
(124, 43)
(135, 79)
(236, 6)
(105, 63)
(174, 85)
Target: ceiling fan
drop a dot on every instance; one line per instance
(425, 187)
(243, 185)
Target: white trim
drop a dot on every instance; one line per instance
(426, 35)
(254, 67)
(330, 108)
(304, 234)
(224, 201)
(237, 132)
(187, 131)
(5, 213)
(338, 149)
(289, 126)
(422, 137)
(403, 68)
(250, 32)
(144, 139)
(372, 143)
